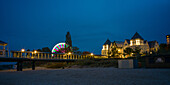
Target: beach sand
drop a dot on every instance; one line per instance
(86, 76)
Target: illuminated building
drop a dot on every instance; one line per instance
(2, 49)
(168, 39)
(135, 41)
(105, 49)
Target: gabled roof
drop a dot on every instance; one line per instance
(119, 43)
(152, 44)
(107, 42)
(128, 41)
(137, 36)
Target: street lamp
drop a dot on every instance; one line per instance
(69, 53)
(33, 54)
(22, 50)
(35, 51)
(91, 54)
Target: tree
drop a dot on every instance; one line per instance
(128, 50)
(46, 49)
(113, 52)
(137, 51)
(39, 50)
(163, 46)
(164, 49)
(86, 52)
(79, 52)
(75, 49)
(28, 50)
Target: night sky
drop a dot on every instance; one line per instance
(33, 24)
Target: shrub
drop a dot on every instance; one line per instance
(96, 63)
(55, 64)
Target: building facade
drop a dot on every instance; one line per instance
(168, 39)
(2, 48)
(136, 41)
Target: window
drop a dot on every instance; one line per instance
(131, 42)
(1, 52)
(137, 42)
(107, 47)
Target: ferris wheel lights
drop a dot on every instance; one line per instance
(61, 48)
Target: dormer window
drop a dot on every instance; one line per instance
(138, 42)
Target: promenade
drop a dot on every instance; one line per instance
(87, 76)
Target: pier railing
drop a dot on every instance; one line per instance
(48, 55)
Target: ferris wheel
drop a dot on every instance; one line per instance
(61, 48)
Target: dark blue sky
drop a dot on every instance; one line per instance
(33, 24)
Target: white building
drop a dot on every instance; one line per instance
(136, 41)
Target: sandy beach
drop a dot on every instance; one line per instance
(86, 76)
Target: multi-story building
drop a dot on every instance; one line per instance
(168, 39)
(135, 41)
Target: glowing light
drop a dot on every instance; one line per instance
(107, 47)
(22, 50)
(69, 53)
(150, 52)
(131, 42)
(91, 54)
(137, 42)
(35, 51)
(103, 47)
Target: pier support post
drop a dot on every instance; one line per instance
(19, 66)
(33, 65)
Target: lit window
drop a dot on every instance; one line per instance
(131, 42)
(107, 47)
(103, 47)
(137, 42)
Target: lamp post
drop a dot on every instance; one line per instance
(34, 53)
(69, 53)
(33, 62)
(22, 50)
(92, 54)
